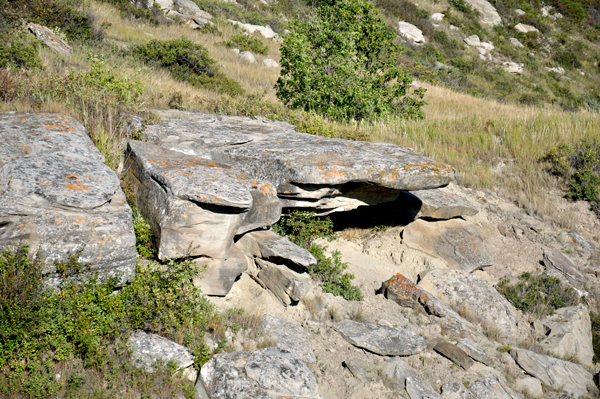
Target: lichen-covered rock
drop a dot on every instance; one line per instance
(439, 204)
(267, 374)
(454, 353)
(406, 293)
(58, 197)
(381, 339)
(268, 245)
(147, 349)
(471, 292)
(557, 374)
(288, 336)
(456, 241)
(50, 39)
(492, 388)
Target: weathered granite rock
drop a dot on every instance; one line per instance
(266, 374)
(148, 348)
(247, 57)
(456, 390)
(58, 197)
(530, 386)
(289, 337)
(50, 39)
(519, 12)
(523, 28)
(569, 334)
(464, 290)
(454, 353)
(488, 13)
(286, 284)
(515, 42)
(558, 374)
(362, 370)
(268, 245)
(265, 31)
(554, 259)
(440, 204)
(220, 274)
(474, 351)
(188, 7)
(192, 202)
(381, 339)
(436, 17)
(492, 388)
(270, 63)
(456, 241)
(416, 388)
(410, 32)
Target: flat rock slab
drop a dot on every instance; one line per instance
(474, 351)
(275, 152)
(148, 348)
(456, 241)
(50, 39)
(381, 339)
(557, 374)
(560, 262)
(473, 294)
(288, 336)
(58, 197)
(438, 203)
(271, 246)
(491, 388)
(454, 353)
(267, 374)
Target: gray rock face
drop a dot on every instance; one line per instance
(454, 353)
(474, 351)
(399, 375)
(570, 334)
(220, 274)
(247, 57)
(289, 337)
(492, 388)
(381, 339)
(515, 42)
(188, 7)
(488, 13)
(58, 197)
(523, 28)
(286, 284)
(456, 390)
(532, 387)
(148, 348)
(558, 374)
(268, 245)
(361, 369)
(558, 261)
(266, 374)
(456, 241)
(50, 39)
(419, 389)
(441, 204)
(460, 289)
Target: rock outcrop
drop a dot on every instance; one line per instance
(58, 197)
(50, 39)
(267, 245)
(410, 32)
(265, 31)
(492, 388)
(438, 203)
(556, 260)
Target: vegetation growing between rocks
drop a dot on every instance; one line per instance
(246, 42)
(303, 228)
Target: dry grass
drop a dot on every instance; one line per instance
(358, 314)
(333, 312)
(313, 305)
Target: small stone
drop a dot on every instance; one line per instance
(515, 42)
(360, 369)
(456, 390)
(523, 28)
(410, 32)
(436, 17)
(492, 388)
(270, 63)
(247, 57)
(519, 12)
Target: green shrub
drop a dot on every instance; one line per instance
(20, 52)
(245, 42)
(462, 6)
(143, 235)
(246, 11)
(595, 319)
(567, 59)
(342, 62)
(188, 62)
(540, 295)
(303, 227)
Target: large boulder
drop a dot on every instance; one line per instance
(381, 339)
(456, 241)
(410, 32)
(148, 349)
(265, 31)
(488, 13)
(472, 294)
(58, 197)
(557, 374)
(569, 334)
(264, 374)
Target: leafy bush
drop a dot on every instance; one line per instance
(342, 62)
(595, 319)
(567, 59)
(188, 62)
(409, 12)
(245, 42)
(540, 295)
(19, 53)
(304, 227)
(84, 322)
(248, 12)
(461, 6)
(143, 235)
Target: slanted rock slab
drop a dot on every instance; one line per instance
(416, 388)
(454, 353)
(286, 284)
(492, 388)
(474, 351)
(381, 339)
(148, 348)
(440, 204)
(530, 386)
(50, 39)
(560, 262)
(557, 374)
(289, 337)
(271, 246)
(456, 241)
(265, 374)
(406, 293)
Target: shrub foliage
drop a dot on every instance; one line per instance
(342, 62)
(245, 42)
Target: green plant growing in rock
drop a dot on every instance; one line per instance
(188, 62)
(246, 42)
(539, 295)
(342, 62)
(143, 235)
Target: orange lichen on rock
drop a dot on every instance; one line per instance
(335, 174)
(77, 187)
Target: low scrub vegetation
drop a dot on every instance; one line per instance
(246, 42)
